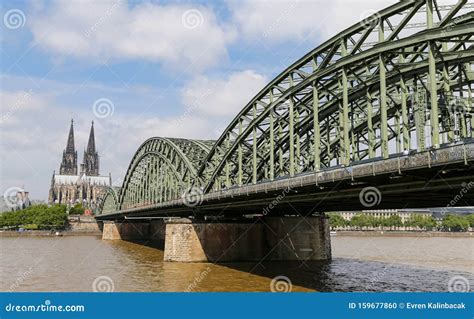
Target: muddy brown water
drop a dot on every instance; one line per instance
(85, 263)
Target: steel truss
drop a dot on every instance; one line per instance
(160, 170)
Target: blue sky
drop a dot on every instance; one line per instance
(165, 68)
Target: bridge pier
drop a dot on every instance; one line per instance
(298, 238)
(271, 238)
(114, 230)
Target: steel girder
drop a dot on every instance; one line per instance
(160, 170)
(341, 104)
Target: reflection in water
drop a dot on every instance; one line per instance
(72, 264)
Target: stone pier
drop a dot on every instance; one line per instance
(153, 230)
(113, 230)
(269, 238)
(272, 238)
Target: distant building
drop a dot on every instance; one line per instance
(22, 199)
(405, 214)
(70, 187)
(16, 201)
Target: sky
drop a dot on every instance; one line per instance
(140, 69)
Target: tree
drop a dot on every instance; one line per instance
(77, 209)
(429, 223)
(394, 221)
(470, 219)
(421, 222)
(360, 221)
(35, 217)
(454, 223)
(336, 220)
(374, 221)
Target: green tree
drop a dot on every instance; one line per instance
(336, 220)
(421, 222)
(455, 223)
(77, 209)
(374, 221)
(394, 221)
(429, 223)
(36, 216)
(360, 221)
(470, 219)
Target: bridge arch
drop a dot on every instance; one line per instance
(160, 170)
(108, 202)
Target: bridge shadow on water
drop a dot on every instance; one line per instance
(302, 275)
(156, 244)
(307, 274)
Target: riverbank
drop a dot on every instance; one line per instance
(82, 232)
(48, 233)
(76, 226)
(388, 233)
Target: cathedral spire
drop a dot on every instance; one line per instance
(70, 139)
(91, 143)
(69, 162)
(91, 157)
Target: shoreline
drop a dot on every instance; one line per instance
(46, 233)
(394, 233)
(339, 233)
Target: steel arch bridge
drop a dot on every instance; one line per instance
(161, 170)
(398, 82)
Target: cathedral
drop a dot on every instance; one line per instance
(70, 187)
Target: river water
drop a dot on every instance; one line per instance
(87, 263)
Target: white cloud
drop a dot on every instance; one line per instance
(184, 36)
(18, 102)
(280, 21)
(170, 34)
(222, 97)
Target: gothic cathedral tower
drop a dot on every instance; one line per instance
(70, 188)
(69, 163)
(90, 164)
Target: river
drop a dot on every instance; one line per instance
(87, 263)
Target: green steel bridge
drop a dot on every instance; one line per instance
(382, 110)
